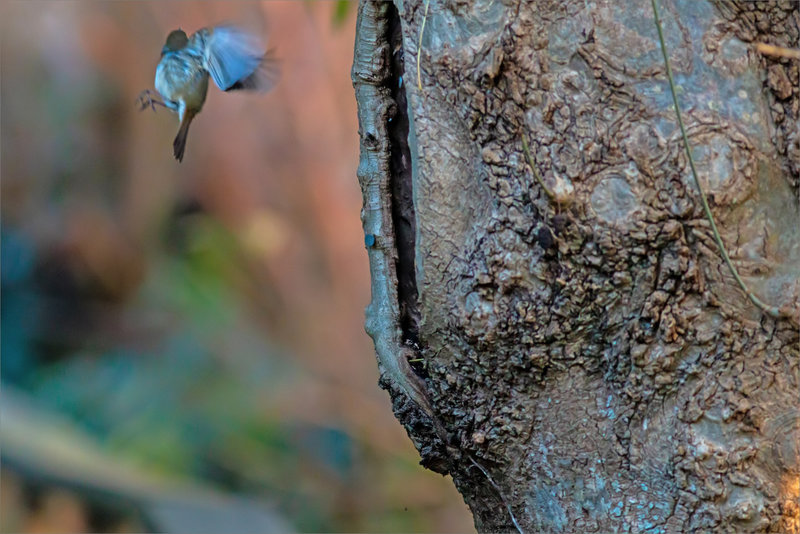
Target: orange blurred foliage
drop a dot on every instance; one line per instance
(91, 181)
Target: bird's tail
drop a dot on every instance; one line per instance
(179, 145)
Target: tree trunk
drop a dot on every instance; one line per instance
(585, 362)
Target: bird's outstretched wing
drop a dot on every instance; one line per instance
(235, 59)
(263, 78)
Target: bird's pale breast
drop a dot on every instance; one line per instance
(181, 78)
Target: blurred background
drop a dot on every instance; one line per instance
(182, 344)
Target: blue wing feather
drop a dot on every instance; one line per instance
(232, 55)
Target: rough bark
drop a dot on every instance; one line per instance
(587, 364)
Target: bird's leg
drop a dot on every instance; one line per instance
(146, 100)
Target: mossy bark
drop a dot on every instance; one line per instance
(586, 363)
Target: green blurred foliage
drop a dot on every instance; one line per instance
(342, 11)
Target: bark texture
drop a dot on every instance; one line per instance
(587, 364)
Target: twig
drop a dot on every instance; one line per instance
(535, 169)
(772, 50)
(500, 493)
(419, 47)
(772, 311)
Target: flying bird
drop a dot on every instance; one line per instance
(234, 58)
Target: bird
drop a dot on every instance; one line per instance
(233, 57)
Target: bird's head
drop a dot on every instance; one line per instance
(175, 41)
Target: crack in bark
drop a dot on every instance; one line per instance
(370, 74)
(401, 186)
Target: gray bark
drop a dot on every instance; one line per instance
(587, 364)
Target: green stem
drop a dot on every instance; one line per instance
(770, 310)
(535, 169)
(419, 47)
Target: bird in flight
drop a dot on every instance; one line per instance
(234, 58)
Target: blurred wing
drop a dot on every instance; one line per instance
(232, 55)
(263, 78)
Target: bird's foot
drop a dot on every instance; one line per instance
(146, 100)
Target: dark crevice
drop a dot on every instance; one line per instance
(403, 216)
